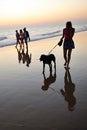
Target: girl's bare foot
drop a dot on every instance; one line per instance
(68, 66)
(65, 63)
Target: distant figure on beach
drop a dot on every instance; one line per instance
(21, 38)
(17, 38)
(68, 91)
(26, 36)
(68, 45)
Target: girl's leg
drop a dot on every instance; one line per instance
(65, 56)
(69, 56)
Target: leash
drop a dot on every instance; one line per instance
(59, 43)
(52, 48)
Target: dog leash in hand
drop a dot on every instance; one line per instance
(53, 48)
(59, 43)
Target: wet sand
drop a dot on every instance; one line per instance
(30, 100)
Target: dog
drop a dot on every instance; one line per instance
(47, 59)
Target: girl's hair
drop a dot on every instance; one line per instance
(68, 24)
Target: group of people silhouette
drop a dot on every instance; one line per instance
(22, 36)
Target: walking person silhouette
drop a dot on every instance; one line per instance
(68, 45)
(26, 36)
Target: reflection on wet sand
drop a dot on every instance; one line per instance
(24, 56)
(49, 80)
(68, 91)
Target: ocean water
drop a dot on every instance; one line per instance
(7, 35)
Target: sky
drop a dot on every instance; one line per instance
(21, 12)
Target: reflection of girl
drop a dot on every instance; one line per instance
(68, 33)
(68, 91)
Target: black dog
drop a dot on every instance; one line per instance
(47, 59)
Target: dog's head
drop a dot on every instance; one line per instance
(42, 57)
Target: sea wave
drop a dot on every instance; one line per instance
(46, 35)
(51, 33)
(36, 35)
(81, 29)
(2, 38)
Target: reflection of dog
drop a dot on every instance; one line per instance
(48, 80)
(47, 59)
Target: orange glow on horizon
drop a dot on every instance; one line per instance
(40, 11)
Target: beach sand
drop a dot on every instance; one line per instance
(30, 102)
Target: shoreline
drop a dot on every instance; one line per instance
(40, 39)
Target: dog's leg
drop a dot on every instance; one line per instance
(54, 62)
(50, 66)
(55, 66)
(44, 76)
(43, 68)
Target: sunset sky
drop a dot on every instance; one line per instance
(20, 12)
